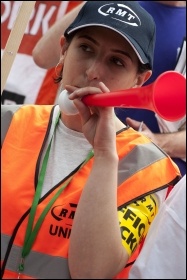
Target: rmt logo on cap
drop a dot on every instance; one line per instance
(121, 13)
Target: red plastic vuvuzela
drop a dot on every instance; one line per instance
(166, 96)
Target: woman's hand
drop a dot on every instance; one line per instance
(98, 123)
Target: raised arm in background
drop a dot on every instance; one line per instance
(47, 51)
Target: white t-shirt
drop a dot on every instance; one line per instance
(68, 150)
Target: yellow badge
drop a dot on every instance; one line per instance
(135, 220)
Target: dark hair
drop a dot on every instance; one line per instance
(143, 67)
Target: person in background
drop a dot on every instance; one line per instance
(169, 37)
(163, 255)
(86, 187)
(170, 19)
(28, 83)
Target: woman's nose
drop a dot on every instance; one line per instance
(94, 71)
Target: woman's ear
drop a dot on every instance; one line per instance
(142, 78)
(147, 75)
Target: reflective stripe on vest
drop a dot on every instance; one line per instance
(148, 153)
(52, 267)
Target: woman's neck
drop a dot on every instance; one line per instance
(72, 122)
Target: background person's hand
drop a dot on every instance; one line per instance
(144, 129)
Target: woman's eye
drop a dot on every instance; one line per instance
(117, 61)
(86, 48)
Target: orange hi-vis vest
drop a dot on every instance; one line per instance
(140, 162)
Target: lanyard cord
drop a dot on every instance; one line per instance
(31, 234)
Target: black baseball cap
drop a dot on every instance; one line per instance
(127, 18)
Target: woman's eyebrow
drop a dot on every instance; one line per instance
(113, 50)
(122, 52)
(89, 38)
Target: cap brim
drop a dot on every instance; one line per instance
(130, 40)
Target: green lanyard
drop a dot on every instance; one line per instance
(31, 232)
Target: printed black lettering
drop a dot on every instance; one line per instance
(150, 207)
(60, 231)
(53, 231)
(136, 203)
(123, 230)
(143, 200)
(63, 213)
(123, 209)
(136, 223)
(64, 232)
(72, 214)
(132, 241)
(129, 215)
(141, 229)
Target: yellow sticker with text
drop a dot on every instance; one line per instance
(135, 220)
